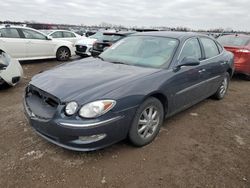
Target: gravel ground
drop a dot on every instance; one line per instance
(207, 145)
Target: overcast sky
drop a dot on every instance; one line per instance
(196, 14)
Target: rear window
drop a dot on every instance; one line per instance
(234, 40)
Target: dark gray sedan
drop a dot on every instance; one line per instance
(128, 91)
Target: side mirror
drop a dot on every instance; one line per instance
(188, 61)
(49, 38)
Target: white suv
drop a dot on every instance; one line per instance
(25, 43)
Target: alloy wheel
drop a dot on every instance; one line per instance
(148, 122)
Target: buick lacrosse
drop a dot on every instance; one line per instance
(128, 90)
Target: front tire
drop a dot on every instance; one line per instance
(222, 90)
(63, 54)
(147, 122)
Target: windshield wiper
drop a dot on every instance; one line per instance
(118, 62)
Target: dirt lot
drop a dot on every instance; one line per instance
(205, 146)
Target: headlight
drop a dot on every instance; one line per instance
(97, 108)
(71, 108)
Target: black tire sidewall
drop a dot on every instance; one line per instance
(133, 135)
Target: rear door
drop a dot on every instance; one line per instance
(69, 36)
(12, 42)
(213, 63)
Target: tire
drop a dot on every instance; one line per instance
(63, 54)
(222, 90)
(145, 127)
(247, 77)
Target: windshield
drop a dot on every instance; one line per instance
(97, 36)
(147, 51)
(233, 40)
(46, 32)
(110, 37)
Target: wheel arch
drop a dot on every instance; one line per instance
(162, 98)
(64, 46)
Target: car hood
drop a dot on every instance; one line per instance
(87, 79)
(86, 41)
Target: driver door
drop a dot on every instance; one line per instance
(189, 80)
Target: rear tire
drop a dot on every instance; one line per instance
(147, 122)
(222, 90)
(63, 54)
(247, 77)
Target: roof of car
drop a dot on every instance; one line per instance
(171, 34)
(122, 33)
(236, 35)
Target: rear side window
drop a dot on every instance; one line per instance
(57, 34)
(211, 49)
(191, 49)
(234, 40)
(68, 35)
(9, 33)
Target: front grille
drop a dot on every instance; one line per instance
(43, 105)
(81, 48)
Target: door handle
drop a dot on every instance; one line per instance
(223, 63)
(202, 70)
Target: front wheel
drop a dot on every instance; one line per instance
(147, 122)
(222, 90)
(63, 54)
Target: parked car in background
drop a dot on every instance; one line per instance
(63, 35)
(107, 40)
(11, 71)
(24, 43)
(90, 33)
(240, 46)
(128, 91)
(84, 45)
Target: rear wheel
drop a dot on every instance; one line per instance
(247, 77)
(222, 90)
(63, 54)
(147, 122)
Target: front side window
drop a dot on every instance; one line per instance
(146, 51)
(211, 49)
(57, 34)
(30, 34)
(97, 35)
(68, 35)
(9, 33)
(191, 49)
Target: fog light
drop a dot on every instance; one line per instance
(92, 138)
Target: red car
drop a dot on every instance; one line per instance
(240, 46)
